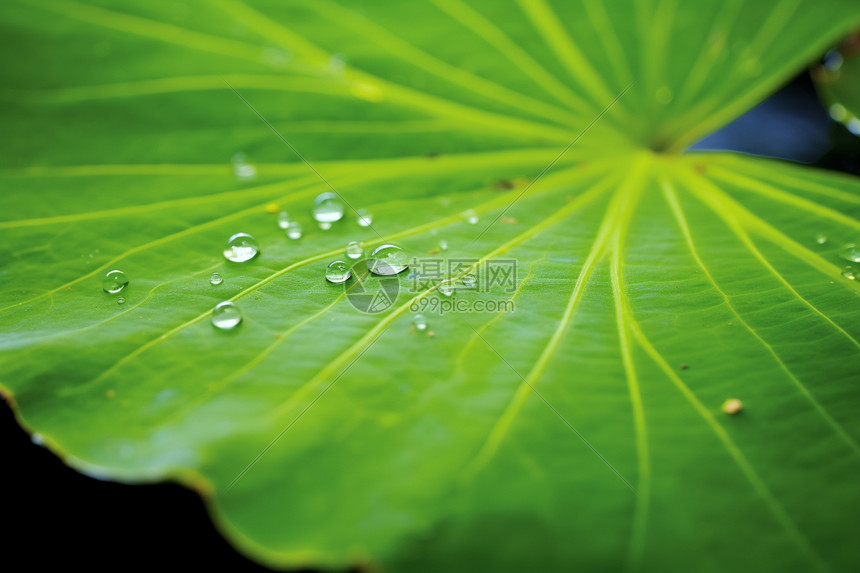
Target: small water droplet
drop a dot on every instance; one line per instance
(838, 112)
(364, 218)
(283, 219)
(354, 250)
(241, 168)
(216, 279)
(226, 315)
(37, 438)
(419, 322)
(664, 95)
(820, 239)
(850, 252)
(732, 406)
(833, 61)
(241, 247)
(469, 280)
(120, 300)
(114, 281)
(325, 226)
(337, 272)
(853, 125)
(443, 245)
(294, 230)
(446, 288)
(471, 217)
(387, 260)
(328, 208)
(849, 273)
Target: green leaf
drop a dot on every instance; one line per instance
(582, 430)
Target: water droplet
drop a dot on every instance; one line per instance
(419, 322)
(732, 406)
(120, 300)
(241, 168)
(446, 288)
(338, 272)
(850, 252)
(294, 230)
(241, 247)
(853, 125)
(387, 260)
(354, 250)
(283, 219)
(443, 245)
(471, 217)
(37, 438)
(114, 281)
(325, 226)
(226, 315)
(820, 239)
(328, 208)
(838, 112)
(849, 273)
(364, 218)
(664, 95)
(216, 279)
(469, 281)
(833, 61)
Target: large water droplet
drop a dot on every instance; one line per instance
(364, 218)
(338, 272)
(446, 288)
(387, 260)
(354, 250)
(294, 230)
(469, 280)
(226, 315)
(283, 219)
(241, 247)
(114, 281)
(850, 252)
(216, 279)
(419, 322)
(328, 208)
(849, 273)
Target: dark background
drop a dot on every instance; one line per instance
(55, 517)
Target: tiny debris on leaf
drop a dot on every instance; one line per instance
(732, 406)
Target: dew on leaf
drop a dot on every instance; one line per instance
(471, 217)
(354, 250)
(850, 252)
(469, 280)
(120, 300)
(820, 239)
(114, 281)
(364, 218)
(226, 315)
(849, 273)
(419, 322)
(325, 225)
(337, 272)
(328, 208)
(387, 260)
(294, 230)
(241, 248)
(216, 279)
(283, 219)
(446, 288)
(443, 245)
